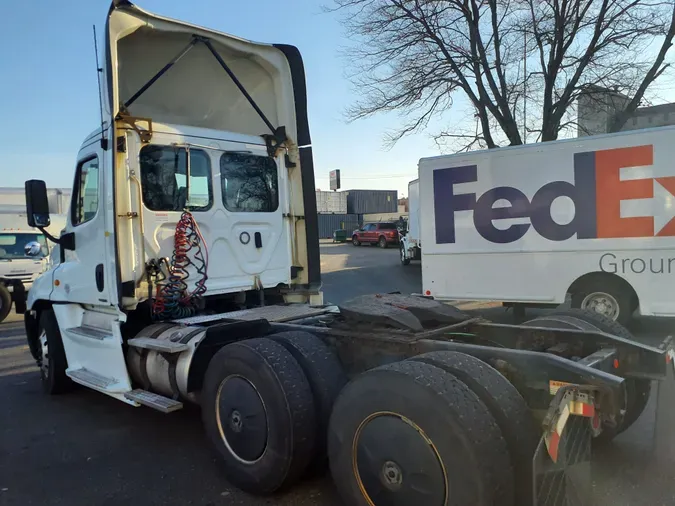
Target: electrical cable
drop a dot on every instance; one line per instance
(172, 299)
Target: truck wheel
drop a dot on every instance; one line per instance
(382, 242)
(51, 356)
(607, 298)
(355, 241)
(506, 405)
(326, 379)
(258, 411)
(5, 302)
(637, 390)
(411, 434)
(404, 258)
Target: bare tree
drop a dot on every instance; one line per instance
(416, 57)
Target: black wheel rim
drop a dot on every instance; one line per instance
(396, 464)
(242, 419)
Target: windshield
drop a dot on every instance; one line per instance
(13, 245)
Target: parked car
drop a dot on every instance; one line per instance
(382, 234)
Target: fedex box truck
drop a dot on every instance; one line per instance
(590, 218)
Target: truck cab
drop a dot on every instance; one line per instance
(204, 145)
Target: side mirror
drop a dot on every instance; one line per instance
(32, 249)
(37, 205)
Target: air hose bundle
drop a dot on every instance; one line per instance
(172, 299)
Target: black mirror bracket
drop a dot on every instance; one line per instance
(66, 241)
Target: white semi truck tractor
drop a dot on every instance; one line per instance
(189, 272)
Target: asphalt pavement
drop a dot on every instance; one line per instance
(86, 449)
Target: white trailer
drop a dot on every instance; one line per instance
(410, 239)
(591, 217)
(189, 271)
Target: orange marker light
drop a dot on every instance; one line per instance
(616, 363)
(57, 282)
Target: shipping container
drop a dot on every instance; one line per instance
(329, 223)
(382, 217)
(372, 201)
(331, 202)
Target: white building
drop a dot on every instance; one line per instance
(13, 200)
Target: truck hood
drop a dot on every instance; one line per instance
(196, 90)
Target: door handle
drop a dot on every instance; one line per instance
(99, 277)
(258, 239)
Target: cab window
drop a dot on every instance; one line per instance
(85, 191)
(249, 183)
(164, 179)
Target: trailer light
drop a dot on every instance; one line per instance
(616, 363)
(57, 282)
(428, 292)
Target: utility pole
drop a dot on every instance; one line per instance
(524, 87)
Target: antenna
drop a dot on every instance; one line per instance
(104, 141)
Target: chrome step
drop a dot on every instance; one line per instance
(91, 332)
(154, 401)
(160, 345)
(91, 379)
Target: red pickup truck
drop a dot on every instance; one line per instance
(382, 234)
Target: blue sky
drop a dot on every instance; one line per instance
(49, 95)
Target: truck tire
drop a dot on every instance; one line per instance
(52, 357)
(405, 260)
(382, 242)
(506, 405)
(258, 412)
(5, 302)
(326, 379)
(392, 421)
(637, 390)
(606, 297)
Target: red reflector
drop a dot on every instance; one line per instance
(428, 292)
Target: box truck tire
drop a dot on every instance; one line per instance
(607, 296)
(258, 412)
(5, 302)
(392, 421)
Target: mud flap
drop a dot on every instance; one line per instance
(562, 462)
(664, 443)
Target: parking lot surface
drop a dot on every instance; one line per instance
(85, 449)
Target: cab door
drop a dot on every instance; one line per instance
(369, 232)
(83, 277)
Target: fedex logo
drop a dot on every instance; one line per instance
(597, 192)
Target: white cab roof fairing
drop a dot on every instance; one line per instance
(196, 90)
